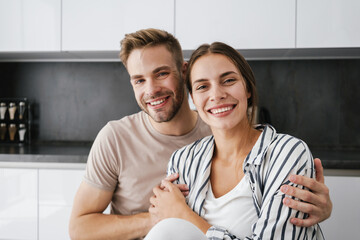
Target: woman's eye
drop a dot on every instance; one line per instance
(200, 87)
(229, 80)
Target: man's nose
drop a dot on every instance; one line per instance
(152, 87)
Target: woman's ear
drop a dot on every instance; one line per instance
(248, 94)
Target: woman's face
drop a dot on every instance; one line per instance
(219, 92)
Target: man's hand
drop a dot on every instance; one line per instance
(183, 187)
(316, 203)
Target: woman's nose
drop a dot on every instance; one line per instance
(217, 93)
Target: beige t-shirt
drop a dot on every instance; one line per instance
(130, 157)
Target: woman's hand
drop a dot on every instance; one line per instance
(168, 202)
(316, 203)
(183, 187)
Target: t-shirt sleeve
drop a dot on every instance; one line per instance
(102, 164)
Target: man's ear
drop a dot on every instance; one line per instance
(184, 68)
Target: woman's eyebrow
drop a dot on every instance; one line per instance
(227, 73)
(199, 80)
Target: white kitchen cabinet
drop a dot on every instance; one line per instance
(100, 25)
(244, 24)
(328, 24)
(18, 203)
(345, 218)
(57, 190)
(31, 25)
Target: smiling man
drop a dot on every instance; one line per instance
(130, 156)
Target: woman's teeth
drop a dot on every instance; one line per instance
(221, 110)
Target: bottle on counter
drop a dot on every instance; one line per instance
(2, 131)
(22, 131)
(12, 131)
(2, 110)
(21, 110)
(12, 110)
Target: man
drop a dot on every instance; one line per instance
(129, 156)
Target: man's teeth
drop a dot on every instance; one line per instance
(221, 110)
(157, 102)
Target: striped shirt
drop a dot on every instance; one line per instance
(269, 164)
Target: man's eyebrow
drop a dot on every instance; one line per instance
(135, 76)
(158, 69)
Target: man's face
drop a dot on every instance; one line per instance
(157, 83)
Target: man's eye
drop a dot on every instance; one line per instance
(163, 74)
(139, 81)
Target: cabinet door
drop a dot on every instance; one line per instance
(57, 189)
(244, 24)
(100, 25)
(18, 203)
(31, 25)
(328, 23)
(345, 218)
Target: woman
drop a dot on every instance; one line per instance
(234, 177)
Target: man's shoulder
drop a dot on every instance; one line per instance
(135, 119)
(127, 124)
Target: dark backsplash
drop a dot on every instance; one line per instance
(315, 100)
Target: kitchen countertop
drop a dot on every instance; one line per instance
(45, 155)
(74, 155)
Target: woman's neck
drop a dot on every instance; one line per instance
(234, 144)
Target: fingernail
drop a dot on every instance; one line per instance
(292, 178)
(294, 221)
(284, 188)
(287, 201)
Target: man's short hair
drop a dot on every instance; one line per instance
(149, 38)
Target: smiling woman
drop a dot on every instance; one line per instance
(234, 176)
(218, 90)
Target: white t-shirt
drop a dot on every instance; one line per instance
(234, 211)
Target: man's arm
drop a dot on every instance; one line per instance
(88, 222)
(316, 203)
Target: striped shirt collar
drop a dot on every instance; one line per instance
(255, 157)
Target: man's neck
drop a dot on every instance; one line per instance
(182, 123)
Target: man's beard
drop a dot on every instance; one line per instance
(158, 115)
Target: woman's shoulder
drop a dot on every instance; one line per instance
(288, 142)
(289, 150)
